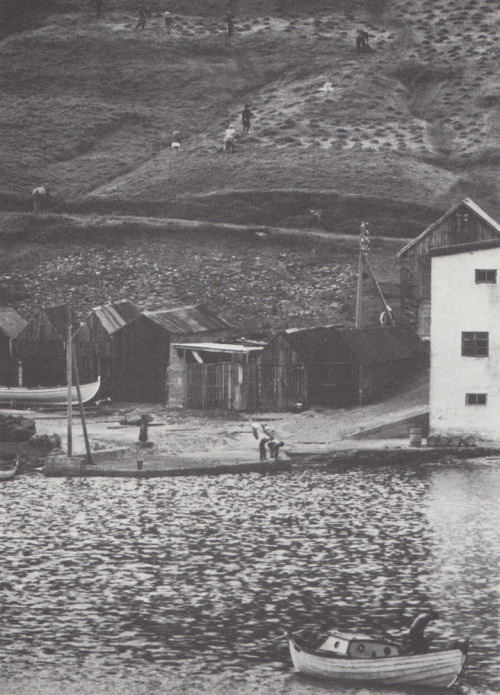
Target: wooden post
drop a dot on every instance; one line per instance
(69, 351)
(82, 414)
(363, 248)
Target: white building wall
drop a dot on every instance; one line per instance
(459, 304)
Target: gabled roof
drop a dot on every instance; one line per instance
(375, 345)
(495, 227)
(11, 323)
(58, 317)
(363, 345)
(116, 315)
(197, 318)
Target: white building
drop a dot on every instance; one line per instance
(465, 340)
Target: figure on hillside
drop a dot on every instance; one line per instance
(176, 141)
(99, 7)
(362, 40)
(419, 644)
(246, 115)
(230, 23)
(141, 22)
(168, 21)
(41, 196)
(229, 138)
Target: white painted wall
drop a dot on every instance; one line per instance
(459, 304)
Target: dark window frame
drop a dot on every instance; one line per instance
(486, 276)
(476, 399)
(475, 343)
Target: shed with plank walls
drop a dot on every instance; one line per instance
(466, 222)
(41, 346)
(95, 346)
(11, 325)
(342, 367)
(146, 370)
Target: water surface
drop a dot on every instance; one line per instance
(186, 585)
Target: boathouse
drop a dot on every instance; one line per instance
(11, 325)
(465, 341)
(145, 369)
(96, 350)
(466, 222)
(331, 366)
(41, 346)
(216, 375)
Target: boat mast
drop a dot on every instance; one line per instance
(69, 351)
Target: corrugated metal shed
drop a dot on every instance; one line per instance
(197, 318)
(116, 315)
(471, 205)
(378, 345)
(11, 323)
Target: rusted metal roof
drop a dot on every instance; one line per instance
(116, 315)
(11, 323)
(467, 202)
(197, 318)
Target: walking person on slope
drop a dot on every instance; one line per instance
(246, 115)
(168, 22)
(141, 22)
(229, 137)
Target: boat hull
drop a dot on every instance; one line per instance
(49, 395)
(8, 471)
(436, 669)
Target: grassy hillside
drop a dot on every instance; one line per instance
(90, 105)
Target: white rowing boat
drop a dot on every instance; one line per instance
(356, 657)
(47, 395)
(8, 469)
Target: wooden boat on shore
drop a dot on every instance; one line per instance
(47, 395)
(8, 468)
(356, 657)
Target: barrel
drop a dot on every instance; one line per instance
(443, 440)
(469, 440)
(432, 440)
(416, 437)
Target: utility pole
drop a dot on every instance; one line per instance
(69, 370)
(364, 238)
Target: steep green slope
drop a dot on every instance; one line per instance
(90, 105)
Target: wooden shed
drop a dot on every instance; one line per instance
(333, 367)
(217, 375)
(41, 346)
(141, 351)
(94, 345)
(466, 222)
(194, 324)
(11, 325)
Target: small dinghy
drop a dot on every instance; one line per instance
(8, 468)
(356, 657)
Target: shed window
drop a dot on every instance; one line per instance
(475, 398)
(462, 221)
(475, 344)
(484, 275)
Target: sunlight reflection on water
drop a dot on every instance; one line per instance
(188, 584)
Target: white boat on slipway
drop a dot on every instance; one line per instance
(47, 395)
(356, 657)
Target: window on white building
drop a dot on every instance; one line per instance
(475, 344)
(475, 398)
(486, 275)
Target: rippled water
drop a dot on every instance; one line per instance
(186, 585)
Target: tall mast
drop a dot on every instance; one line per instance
(69, 370)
